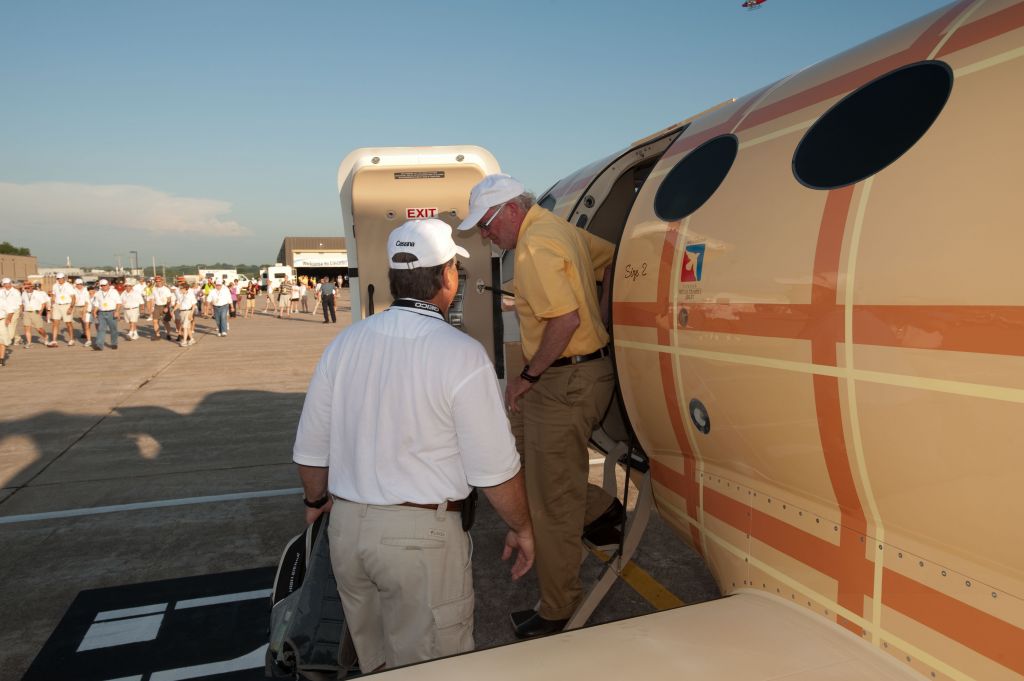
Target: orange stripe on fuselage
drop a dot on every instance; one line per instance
(985, 28)
(986, 634)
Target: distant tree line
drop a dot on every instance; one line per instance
(7, 248)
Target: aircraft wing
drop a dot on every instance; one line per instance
(750, 636)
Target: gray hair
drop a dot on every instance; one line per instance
(525, 201)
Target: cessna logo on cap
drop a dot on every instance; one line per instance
(405, 243)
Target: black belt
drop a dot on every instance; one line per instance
(453, 506)
(580, 359)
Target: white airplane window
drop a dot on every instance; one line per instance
(873, 126)
(695, 178)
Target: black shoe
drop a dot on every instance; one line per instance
(3, 360)
(534, 625)
(113, 347)
(97, 348)
(611, 519)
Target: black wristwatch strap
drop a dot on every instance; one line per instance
(319, 503)
(528, 377)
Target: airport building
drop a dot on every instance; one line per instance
(19, 267)
(315, 256)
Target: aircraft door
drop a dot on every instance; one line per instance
(386, 194)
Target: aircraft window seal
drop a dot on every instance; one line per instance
(695, 178)
(873, 126)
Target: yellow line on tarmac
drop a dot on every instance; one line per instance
(649, 588)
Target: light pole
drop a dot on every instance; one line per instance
(135, 268)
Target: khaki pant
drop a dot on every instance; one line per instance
(406, 582)
(560, 412)
(6, 335)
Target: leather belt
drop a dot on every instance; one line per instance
(580, 359)
(453, 506)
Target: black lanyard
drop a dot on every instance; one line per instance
(418, 306)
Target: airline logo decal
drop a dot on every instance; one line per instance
(693, 263)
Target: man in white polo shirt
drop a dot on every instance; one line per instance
(10, 307)
(162, 300)
(428, 426)
(132, 299)
(33, 302)
(108, 304)
(220, 299)
(63, 298)
(81, 309)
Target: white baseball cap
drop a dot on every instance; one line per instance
(429, 240)
(6, 280)
(488, 192)
(60, 275)
(79, 281)
(104, 282)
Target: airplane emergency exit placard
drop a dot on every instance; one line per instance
(420, 213)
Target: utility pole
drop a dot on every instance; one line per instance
(154, 265)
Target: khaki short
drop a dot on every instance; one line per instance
(60, 312)
(32, 320)
(186, 316)
(131, 314)
(78, 312)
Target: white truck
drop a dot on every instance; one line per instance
(226, 276)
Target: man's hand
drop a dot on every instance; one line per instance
(314, 513)
(523, 543)
(514, 389)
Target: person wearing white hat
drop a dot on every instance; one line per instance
(63, 298)
(108, 304)
(565, 387)
(33, 303)
(81, 309)
(393, 466)
(10, 307)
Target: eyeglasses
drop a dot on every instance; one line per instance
(487, 225)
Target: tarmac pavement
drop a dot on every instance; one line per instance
(173, 431)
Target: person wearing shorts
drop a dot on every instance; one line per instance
(186, 308)
(133, 299)
(251, 291)
(63, 294)
(80, 310)
(162, 301)
(33, 302)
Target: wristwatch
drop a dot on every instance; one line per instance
(527, 376)
(319, 503)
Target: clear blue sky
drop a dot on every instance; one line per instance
(206, 131)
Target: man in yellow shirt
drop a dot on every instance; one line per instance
(566, 386)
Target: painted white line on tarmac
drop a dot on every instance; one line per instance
(223, 598)
(143, 505)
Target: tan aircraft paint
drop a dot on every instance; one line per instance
(860, 353)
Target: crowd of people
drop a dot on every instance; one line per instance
(31, 316)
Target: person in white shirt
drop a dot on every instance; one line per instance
(220, 299)
(303, 290)
(60, 311)
(80, 310)
(132, 299)
(271, 306)
(392, 466)
(108, 311)
(33, 302)
(186, 307)
(10, 309)
(297, 293)
(162, 301)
